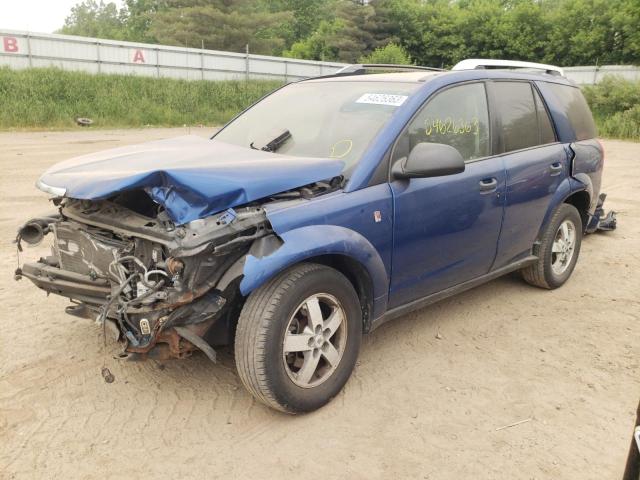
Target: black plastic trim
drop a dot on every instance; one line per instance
(449, 292)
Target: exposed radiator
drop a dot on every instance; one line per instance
(82, 252)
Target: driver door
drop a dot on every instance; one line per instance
(446, 229)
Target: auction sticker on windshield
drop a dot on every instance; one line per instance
(382, 99)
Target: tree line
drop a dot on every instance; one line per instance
(435, 33)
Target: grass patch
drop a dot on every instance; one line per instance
(615, 103)
(51, 98)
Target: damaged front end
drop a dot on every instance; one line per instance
(163, 289)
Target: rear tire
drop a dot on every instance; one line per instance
(558, 251)
(298, 338)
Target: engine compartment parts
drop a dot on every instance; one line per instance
(153, 281)
(34, 230)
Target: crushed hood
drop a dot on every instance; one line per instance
(192, 177)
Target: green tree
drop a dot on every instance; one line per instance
(601, 31)
(220, 24)
(95, 19)
(139, 18)
(132, 22)
(318, 45)
(626, 21)
(390, 53)
(432, 32)
(345, 37)
(306, 17)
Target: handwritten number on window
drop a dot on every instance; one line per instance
(449, 126)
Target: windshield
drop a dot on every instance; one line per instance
(333, 119)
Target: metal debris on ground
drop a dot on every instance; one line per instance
(608, 223)
(601, 222)
(107, 375)
(84, 122)
(514, 424)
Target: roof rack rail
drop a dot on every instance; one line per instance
(479, 63)
(362, 68)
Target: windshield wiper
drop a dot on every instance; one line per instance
(274, 144)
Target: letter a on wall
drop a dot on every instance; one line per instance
(138, 57)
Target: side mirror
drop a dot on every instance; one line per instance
(429, 160)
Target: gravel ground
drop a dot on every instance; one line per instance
(419, 404)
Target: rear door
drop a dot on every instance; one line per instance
(446, 228)
(575, 122)
(535, 163)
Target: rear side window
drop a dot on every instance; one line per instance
(518, 116)
(457, 116)
(575, 107)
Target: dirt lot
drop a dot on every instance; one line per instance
(417, 406)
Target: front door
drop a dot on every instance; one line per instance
(446, 229)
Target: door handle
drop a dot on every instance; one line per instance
(488, 185)
(556, 169)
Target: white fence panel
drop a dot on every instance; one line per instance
(590, 75)
(22, 50)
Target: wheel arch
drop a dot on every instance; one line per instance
(340, 248)
(582, 201)
(573, 192)
(357, 275)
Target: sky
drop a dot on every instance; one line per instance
(43, 16)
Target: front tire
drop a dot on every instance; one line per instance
(558, 251)
(298, 338)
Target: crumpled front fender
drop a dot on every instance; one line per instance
(311, 241)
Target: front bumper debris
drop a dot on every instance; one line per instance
(46, 275)
(156, 286)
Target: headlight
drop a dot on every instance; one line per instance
(53, 191)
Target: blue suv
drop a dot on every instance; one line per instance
(329, 207)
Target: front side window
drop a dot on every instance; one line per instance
(325, 119)
(457, 117)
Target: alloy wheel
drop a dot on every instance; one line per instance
(563, 248)
(314, 340)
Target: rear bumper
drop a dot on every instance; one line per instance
(52, 279)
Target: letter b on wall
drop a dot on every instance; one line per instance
(10, 44)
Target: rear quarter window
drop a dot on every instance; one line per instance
(572, 103)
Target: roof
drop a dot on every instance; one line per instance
(406, 77)
(474, 63)
(462, 71)
(460, 75)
